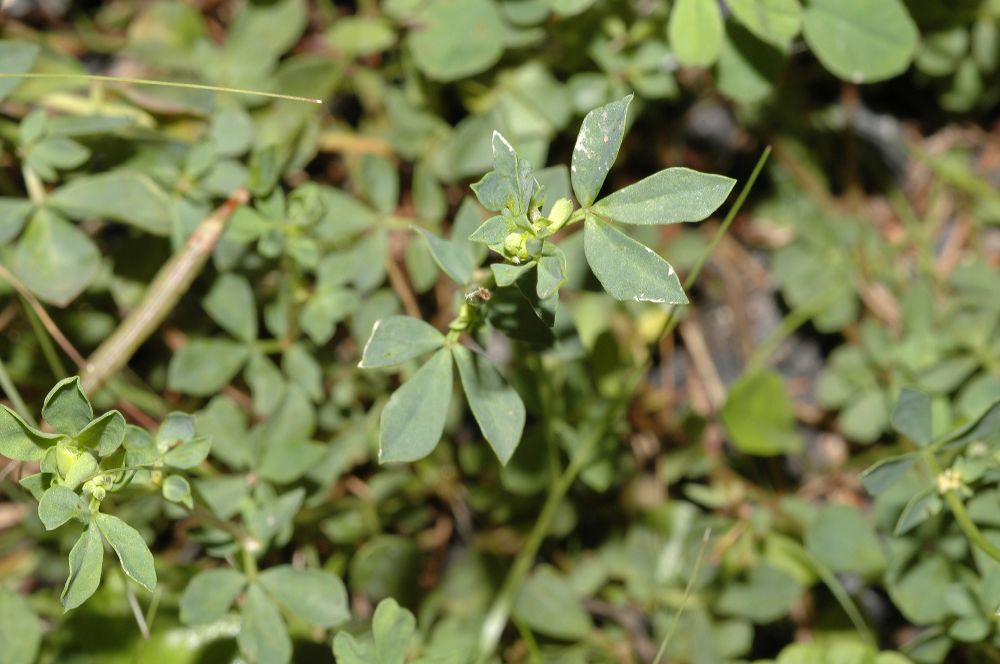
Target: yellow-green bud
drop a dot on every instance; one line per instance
(512, 243)
(560, 212)
(66, 457)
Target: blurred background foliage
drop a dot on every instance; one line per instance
(722, 516)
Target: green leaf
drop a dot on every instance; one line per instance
(673, 195)
(316, 596)
(16, 57)
(189, 453)
(493, 231)
(841, 539)
(511, 183)
(861, 41)
(125, 196)
(496, 406)
(396, 339)
(20, 629)
(695, 32)
(451, 258)
(912, 417)
(393, 628)
(13, 213)
(453, 39)
(202, 367)
(209, 595)
(176, 427)
(552, 274)
(303, 369)
(176, 489)
(765, 596)
(230, 303)
(519, 316)
(85, 561)
(20, 441)
(263, 637)
(55, 259)
(378, 181)
(748, 67)
(759, 417)
(627, 269)
(58, 505)
(57, 152)
(884, 474)
(920, 507)
(505, 274)
(361, 35)
(774, 21)
(136, 560)
(286, 460)
(66, 408)
(548, 605)
(596, 147)
(984, 428)
(413, 420)
(105, 434)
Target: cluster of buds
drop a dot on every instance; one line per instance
(526, 243)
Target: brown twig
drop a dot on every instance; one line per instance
(401, 285)
(166, 289)
(43, 315)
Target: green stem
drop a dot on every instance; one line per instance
(728, 220)
(795, 319)
(687, 594)
(969, 527)
(499, 613)
(965, 522)
(15, 397)
(44, 341)
(33, 183)
(165, 84)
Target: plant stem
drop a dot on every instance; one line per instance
(499, 613)
(15, 397)
(687, 593)
(163, 293)
(165, 84)
(965, 522)
(44, 341)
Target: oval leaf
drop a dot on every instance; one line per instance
(450, 257)
(457, 38)
(695, 31)
(20, 441)
(263, 636)
(67, 408)
(55, 259)
(316, 596)
(413, 420)
(202, 367)
(496, 406)
(596, 148)
(673, 195)
(396, 339)
(136, 560)
(209, 595)
(627, 269)
(124, 196)
(231, 304)
(85, 561)
(105, 434)
(58, 505)
(859, 40)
